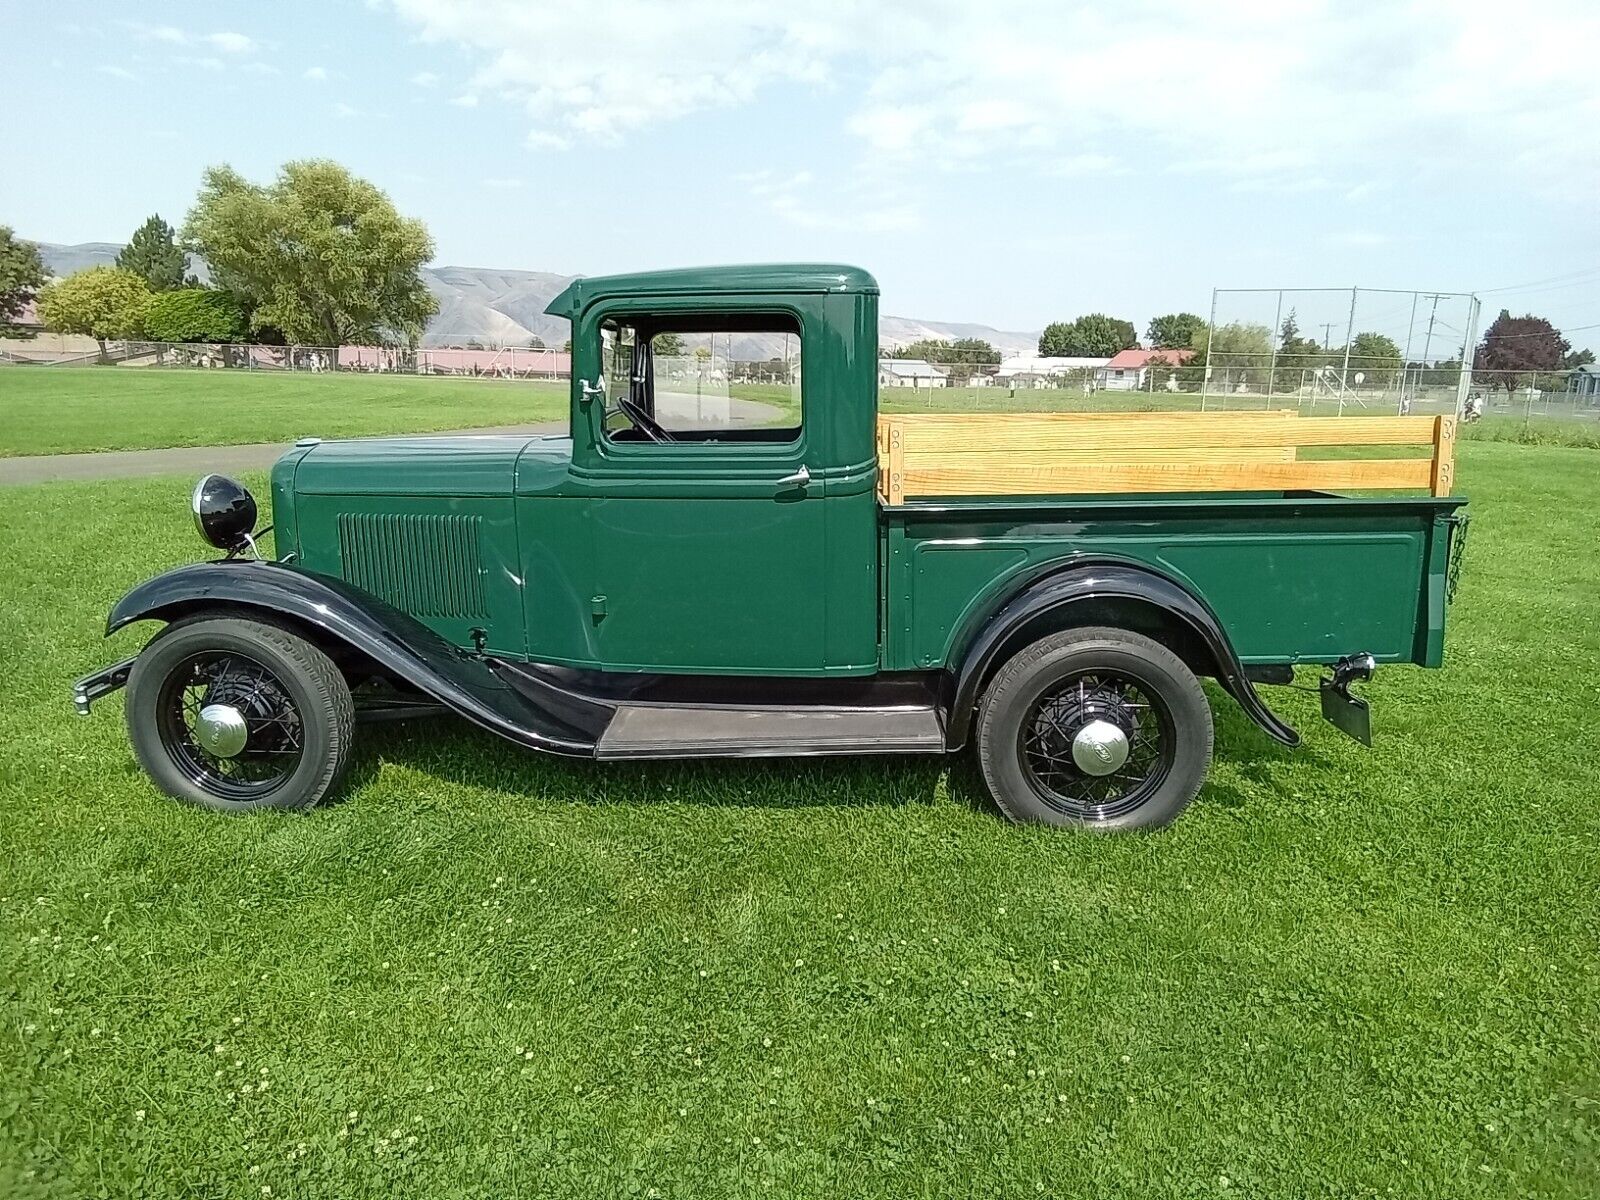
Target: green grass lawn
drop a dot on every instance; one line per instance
(1344, 973)
(69, 410)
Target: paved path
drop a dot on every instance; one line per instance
(186, 460)
(191, 460)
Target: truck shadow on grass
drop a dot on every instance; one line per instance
(455, 753)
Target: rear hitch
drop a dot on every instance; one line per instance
(1350, 714)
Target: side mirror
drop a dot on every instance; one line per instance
(597, 388)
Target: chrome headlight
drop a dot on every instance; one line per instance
(224, 512)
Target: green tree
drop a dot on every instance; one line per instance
(962, 356)
(1376, 356)
(668, 345)
(318, 253)
(21, 277)
(1229, 356)
(1175, 331)
(1093, 335)
(1296, 356)
(102, 302)
(194, 315)
(154, 256)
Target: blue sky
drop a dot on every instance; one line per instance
(1009, 163)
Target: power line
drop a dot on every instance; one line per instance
(1517, 287)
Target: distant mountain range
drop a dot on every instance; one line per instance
(504, 307)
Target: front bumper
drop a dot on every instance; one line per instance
(102, 683)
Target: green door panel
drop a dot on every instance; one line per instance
(725, 585)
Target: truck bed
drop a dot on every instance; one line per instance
(1297, 574)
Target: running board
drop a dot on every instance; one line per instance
(727, 731)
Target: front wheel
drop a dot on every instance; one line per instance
(236, 715)
(1094, 728)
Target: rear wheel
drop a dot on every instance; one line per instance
(236, 715)
(1094, 728)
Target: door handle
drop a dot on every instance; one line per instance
(799, 479)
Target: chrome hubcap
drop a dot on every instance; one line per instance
(221, 730)
(1100, 748)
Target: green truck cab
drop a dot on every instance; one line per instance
(733, 554)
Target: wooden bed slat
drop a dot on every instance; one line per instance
(1077, 453)
(1023, 479)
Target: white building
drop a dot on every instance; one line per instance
(1043, 371)
(1129, 370)
(911, 372)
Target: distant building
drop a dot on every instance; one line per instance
(1030, 371)
(1584, 383)
(911, 372)
(1129, 370)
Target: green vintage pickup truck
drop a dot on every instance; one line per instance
(733, 554)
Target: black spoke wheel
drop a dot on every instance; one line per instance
(274, 737)
(1094, 728)
(1057, 724)
(236, 715)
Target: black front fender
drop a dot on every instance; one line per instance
(1045, 605)
(333, 609)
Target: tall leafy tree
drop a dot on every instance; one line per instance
(1296, 355)
(194, 315)
(1174, 331)
(938, 350)
(1515, 349)
(1235, 353)
(668, 345)
(1377, 357)
(155, 256)
(1093, 335)
(102, 302)
(318, 253)
(961, 355)
(21, 276)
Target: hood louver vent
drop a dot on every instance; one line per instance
(426, 565)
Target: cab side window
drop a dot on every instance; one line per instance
(702, 378)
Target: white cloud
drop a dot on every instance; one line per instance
(318, 74)
(119, 73)
(425, 79)
(229, 43)
(502, 183)
(465, 100)
(854, 206)
(346, 111)
(1336, 90)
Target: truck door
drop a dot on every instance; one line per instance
(709, 527)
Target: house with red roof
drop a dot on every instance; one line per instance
(1129, 370)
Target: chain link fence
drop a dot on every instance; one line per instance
(511, 362)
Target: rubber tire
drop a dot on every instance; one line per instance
(1018, 683)
(318, 690)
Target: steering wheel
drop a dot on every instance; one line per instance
(643, 421)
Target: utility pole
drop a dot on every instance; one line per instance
(1327, 333)
(1427, 338)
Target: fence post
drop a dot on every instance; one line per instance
(1349, 333)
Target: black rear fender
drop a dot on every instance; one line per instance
(347, 621)
(1112, 592)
